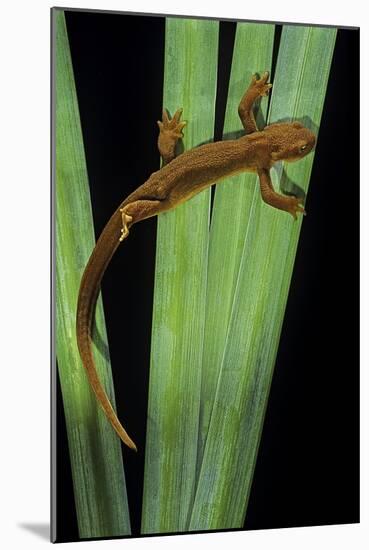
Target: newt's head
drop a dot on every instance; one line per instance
(290, 141)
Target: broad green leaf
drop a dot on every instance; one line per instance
(260, 297)
(252, 54)
(191, 48)
(95, 450)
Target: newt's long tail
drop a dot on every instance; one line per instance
(88, 293)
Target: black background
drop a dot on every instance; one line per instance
(307, 471)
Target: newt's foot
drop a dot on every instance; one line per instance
(172, 126)
(261, 85)
(170, 133)
(126, 219)
(293, 206)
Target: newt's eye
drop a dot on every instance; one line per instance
(303, 148)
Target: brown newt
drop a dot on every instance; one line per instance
(179, 180)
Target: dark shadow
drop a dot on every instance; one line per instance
(258, 114)
(42, 530)
(233, 135)
(288, 187)
(226, 137)
(179, 147)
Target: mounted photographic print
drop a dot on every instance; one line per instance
(205, 253)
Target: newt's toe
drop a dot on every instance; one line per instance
(265, 77)
(294, 207)
(168, 123)
(176, 117)
(171, 128)
(260, 84)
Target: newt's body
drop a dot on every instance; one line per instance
(180, 179)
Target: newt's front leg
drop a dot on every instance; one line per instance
(289, 204)
(170, 133)
(259, 87)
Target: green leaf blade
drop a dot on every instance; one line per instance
(260, 298)
(231, 213)
(179, 294)
(95, 451)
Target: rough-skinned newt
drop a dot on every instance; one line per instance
(179, 179)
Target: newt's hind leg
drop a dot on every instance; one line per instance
(126, 223)
(258, 88)
(136, 211)
(170, 133)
